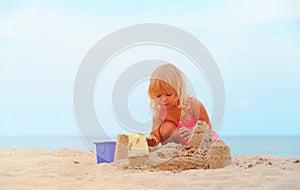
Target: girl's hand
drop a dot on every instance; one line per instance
(185, 132)
(151, 141)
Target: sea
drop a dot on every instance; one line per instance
(287, 146)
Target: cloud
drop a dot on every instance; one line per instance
(50, 43)
(24, 22)
(244, 13)
(27, 22)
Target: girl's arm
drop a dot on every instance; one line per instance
(154, 138)
(199, 111)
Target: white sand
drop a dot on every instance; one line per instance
(73, 169)
(200, 153)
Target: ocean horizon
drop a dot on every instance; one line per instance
(283, 146)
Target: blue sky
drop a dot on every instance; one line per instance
(256, 45)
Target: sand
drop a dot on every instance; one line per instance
(200, 153)
(202, 164)
(75, 169)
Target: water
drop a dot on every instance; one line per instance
(278, 146)
(46, 143)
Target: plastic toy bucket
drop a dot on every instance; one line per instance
(105, 151)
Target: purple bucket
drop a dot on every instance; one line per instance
(105, 151)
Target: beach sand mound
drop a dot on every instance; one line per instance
(200, 153)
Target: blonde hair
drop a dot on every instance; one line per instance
(163, 79)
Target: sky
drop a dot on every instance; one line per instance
(255, 44)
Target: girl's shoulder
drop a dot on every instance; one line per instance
(193, 101)
(194, 104)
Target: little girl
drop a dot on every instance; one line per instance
(175, 112)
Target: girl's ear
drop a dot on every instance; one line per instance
(177, 102)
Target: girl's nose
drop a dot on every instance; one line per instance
(164, 99)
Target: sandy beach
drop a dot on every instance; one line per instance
(76, 169)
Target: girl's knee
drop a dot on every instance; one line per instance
(167, 129)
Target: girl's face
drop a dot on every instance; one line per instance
(168, 98)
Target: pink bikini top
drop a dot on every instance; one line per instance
(190, 123)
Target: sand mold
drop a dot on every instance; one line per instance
(201, 153)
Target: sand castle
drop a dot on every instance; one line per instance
(200, 153)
